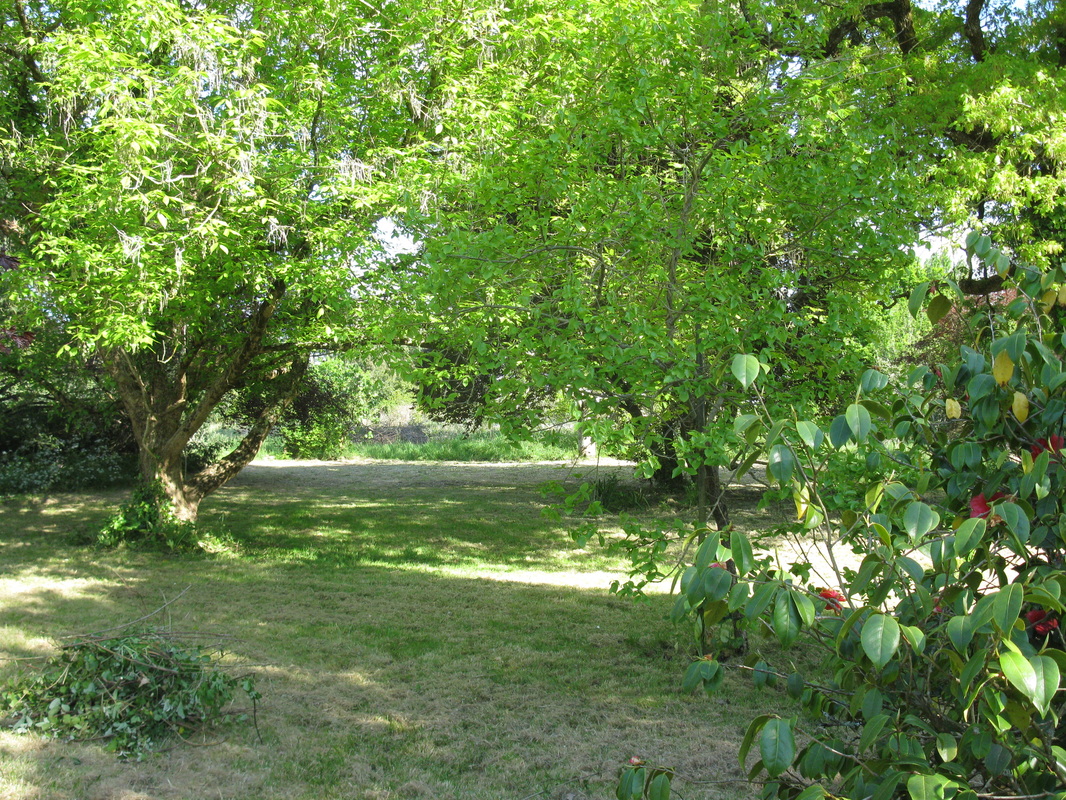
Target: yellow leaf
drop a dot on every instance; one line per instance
(1048, 300)
(952, 409)
(802, 498)
(1003, 368)
(1062, 296)
(1020, 407)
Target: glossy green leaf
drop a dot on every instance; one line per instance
(777, 746)
(1007, 606)
(969, 535)
(880, 638)
(745, 369)
(786, 618)
(659, 787)
(740, 549)
(859, 422)
(839, 432)
(929, 787)
(919, 519)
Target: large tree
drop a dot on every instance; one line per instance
(192, 191)
(663, 185)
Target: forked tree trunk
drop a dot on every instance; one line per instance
(162, 438)
(169, 399)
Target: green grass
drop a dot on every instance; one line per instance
(449, 443)
(418, 631)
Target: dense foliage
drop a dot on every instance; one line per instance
(651, 187)
(936, 600)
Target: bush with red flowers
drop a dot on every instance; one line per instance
(942, 644)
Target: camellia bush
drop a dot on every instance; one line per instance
(936, 601)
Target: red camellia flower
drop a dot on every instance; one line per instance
(1040, 622)
(1053, 444)
(979, 506)
(834, 600)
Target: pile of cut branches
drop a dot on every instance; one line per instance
(133, 690)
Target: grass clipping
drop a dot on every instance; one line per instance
(134, 691)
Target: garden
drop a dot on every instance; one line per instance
(566, 399)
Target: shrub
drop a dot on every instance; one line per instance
(134, 691)
(942, 653)
(146, 519)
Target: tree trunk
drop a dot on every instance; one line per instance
(168, 399)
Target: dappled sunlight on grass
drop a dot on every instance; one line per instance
(428, 641)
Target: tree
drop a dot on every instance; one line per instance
(661, 185)
(192, 190)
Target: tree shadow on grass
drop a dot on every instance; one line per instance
(376, 679)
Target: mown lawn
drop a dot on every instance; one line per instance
(416, 633)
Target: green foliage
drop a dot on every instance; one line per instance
(447, 443)
(134, 691)
(339, 395)
(943, 657)
(614, 495)
(146, 520)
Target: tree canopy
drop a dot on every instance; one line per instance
(611, 199)
(192, 190)
(659, 186)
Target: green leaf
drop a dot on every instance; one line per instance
(716, 583)
(781, 463)
(760, 600)
(786, 618)
(743, 422)
(938, 308)
(969, 535)
(659, 788)
(1016, 519)
(960, 631)
(1047, 682)
(777, 745)
(810, 433)
(919, 519)
(740, 547)
(1020, 673)
(859, 422)
(917, 298)
(839, 432)
(873, 381)
(871, 731)
(754, 727)
(880, 639)
(745, 369)
(1007, 606)
(946, 746)
(929, 787)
